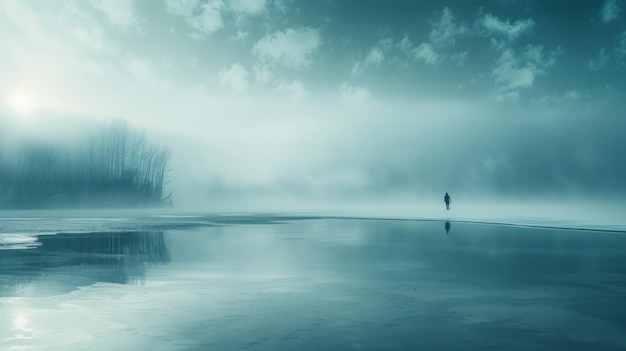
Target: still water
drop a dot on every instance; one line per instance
(298, 284)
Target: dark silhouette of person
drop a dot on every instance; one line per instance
(447, 200)
(447, 226)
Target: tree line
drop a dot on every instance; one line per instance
(115, 165)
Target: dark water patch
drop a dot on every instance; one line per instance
(66, 261)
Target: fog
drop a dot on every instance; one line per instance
(314, 157)
(311, 110)
(377, 152)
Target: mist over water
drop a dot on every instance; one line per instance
(374, 159)
(415, 160)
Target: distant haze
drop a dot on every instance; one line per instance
(297, 102)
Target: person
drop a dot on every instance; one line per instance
(447, 200)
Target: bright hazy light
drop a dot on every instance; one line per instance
(20, 322)
(23, 102)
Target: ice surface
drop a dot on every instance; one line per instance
(246, 282)
(17, 241)
(579, 215)
(89, 221)
(566, 216)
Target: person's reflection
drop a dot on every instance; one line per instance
(447, 226)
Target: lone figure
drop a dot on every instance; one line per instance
(447, 200)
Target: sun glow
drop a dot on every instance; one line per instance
(23, 102)
(20, 322)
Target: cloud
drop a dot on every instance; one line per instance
(236, 77)
(405, 44)
(505, 28)
(82, 26)
(209, 20)
(294, 89)
(353, 95)
(262, 74)
(357, 69)
(460, 58)
(535, 54)
(292, 48)
(119, 12)
(599, 61)
(610, 11)
(241, 35)
(248, 7)
(25, 18)
(185, 8)
(423, 52)
(444, 30)
(426, 53)
(509, 74)
(375, 56)
(620, 50)
(205, 18)
(92, 36)
(571, 95)
(568, 98)
(514, 72)
(141, 69)
(507, 96)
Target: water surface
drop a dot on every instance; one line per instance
(281, 283)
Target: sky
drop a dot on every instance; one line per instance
(329, 101)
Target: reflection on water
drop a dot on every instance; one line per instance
(316, 284)
(65, 261)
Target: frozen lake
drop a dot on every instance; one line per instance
(197, 282)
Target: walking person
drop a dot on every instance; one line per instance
(447, 200)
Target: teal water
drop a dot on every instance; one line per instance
(286, 284)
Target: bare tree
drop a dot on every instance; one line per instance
(117, 165)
